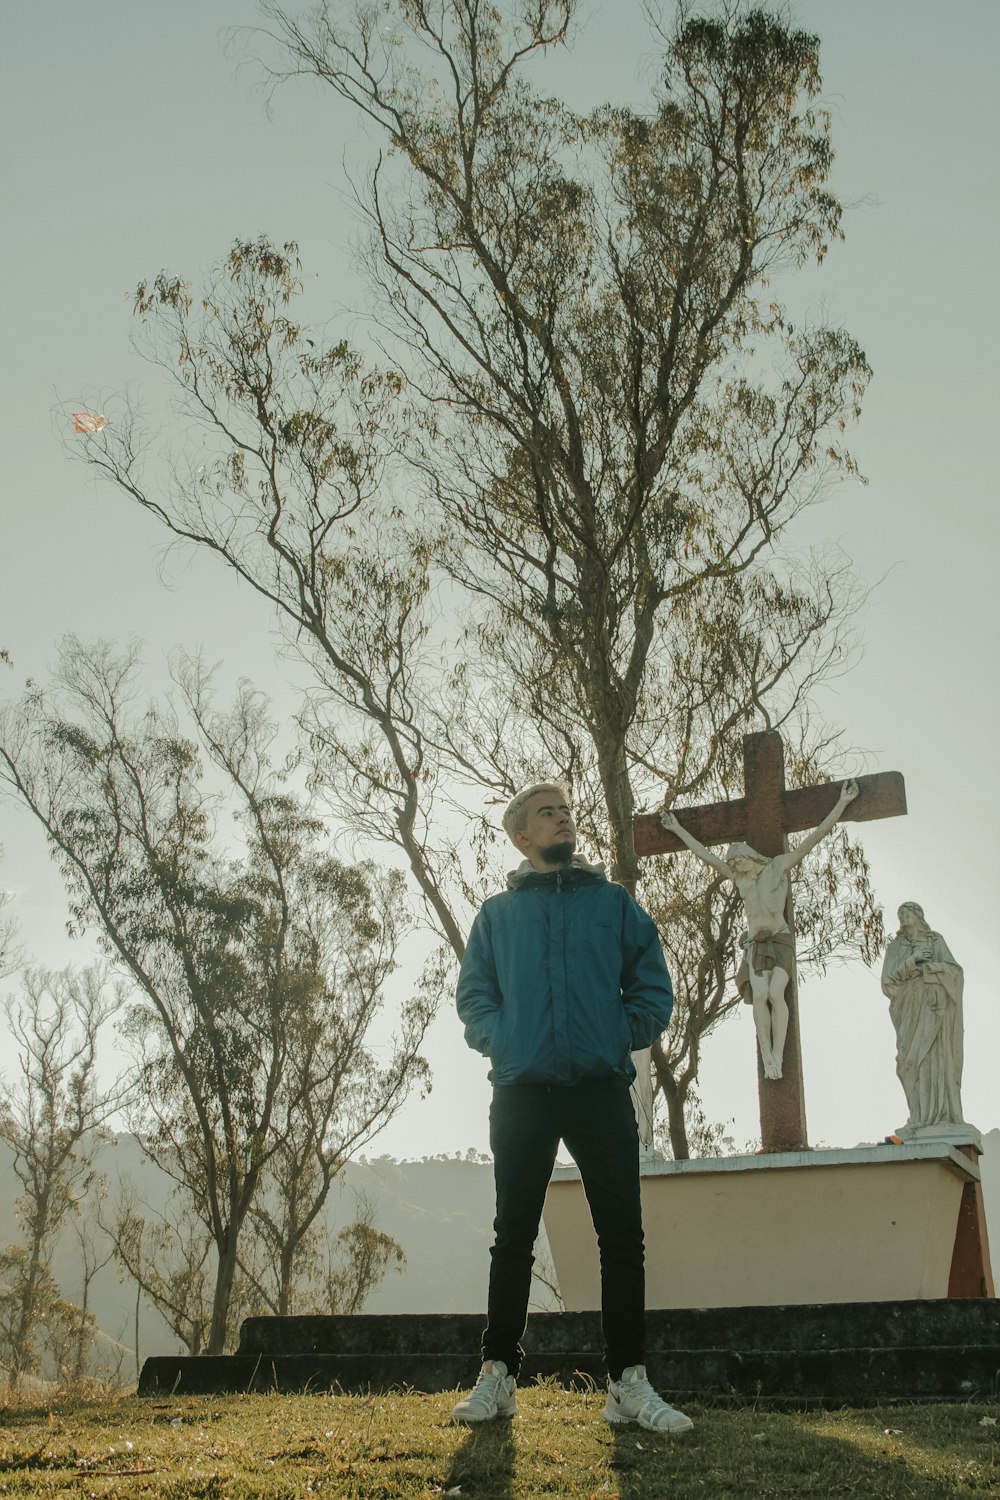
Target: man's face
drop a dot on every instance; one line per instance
(549, 835)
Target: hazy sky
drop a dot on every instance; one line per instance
(141, 143)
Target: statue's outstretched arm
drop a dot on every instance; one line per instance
(848, 792)
(671, 823)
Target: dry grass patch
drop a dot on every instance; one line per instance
(405, 1447)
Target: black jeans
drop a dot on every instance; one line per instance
(597, 1123)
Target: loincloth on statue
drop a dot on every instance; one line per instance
(764, 951)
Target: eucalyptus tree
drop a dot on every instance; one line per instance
(296, 441)
(243, 1021)
(351, 927)
(361, 1257)
(335, 1272)
(168, 1255)
(593, 424)
(52, 1116)
(618, 419)
(615, 418)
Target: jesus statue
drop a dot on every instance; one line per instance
(769, 955)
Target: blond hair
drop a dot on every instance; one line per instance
(515, 818)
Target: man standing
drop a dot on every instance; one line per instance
(562, 979)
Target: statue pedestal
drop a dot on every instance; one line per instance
(872, 1224)
(961, 1134)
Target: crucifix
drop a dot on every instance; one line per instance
(763, 818)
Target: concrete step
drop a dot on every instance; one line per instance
(835, 1325)
(831, 1376)
(841, 1354)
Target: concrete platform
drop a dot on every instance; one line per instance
(833, 1354)
(871, 1224)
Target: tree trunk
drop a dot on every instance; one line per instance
(620, 803)
(676, 1097)
(285, 1267)
(138, 1302)
(225, 1277)
(21, 1362)
(82, 1341)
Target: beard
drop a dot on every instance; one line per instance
(559, 854)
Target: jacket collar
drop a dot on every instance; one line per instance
(578, 871)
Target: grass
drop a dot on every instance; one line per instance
(404, 1447)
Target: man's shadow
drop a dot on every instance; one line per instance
(484, 1461)
(639, 1460)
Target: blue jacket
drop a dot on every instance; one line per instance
(562, 978)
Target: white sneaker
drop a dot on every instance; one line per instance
(492, 1396)
(632, 1399)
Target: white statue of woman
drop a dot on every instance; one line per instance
(770, 951)
(924, 985)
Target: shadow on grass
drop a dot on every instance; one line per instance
(767, 1455)
(642, 1461)
(484, 1463)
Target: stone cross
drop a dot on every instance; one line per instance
(763, 818)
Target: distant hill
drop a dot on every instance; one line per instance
(440, 1210)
